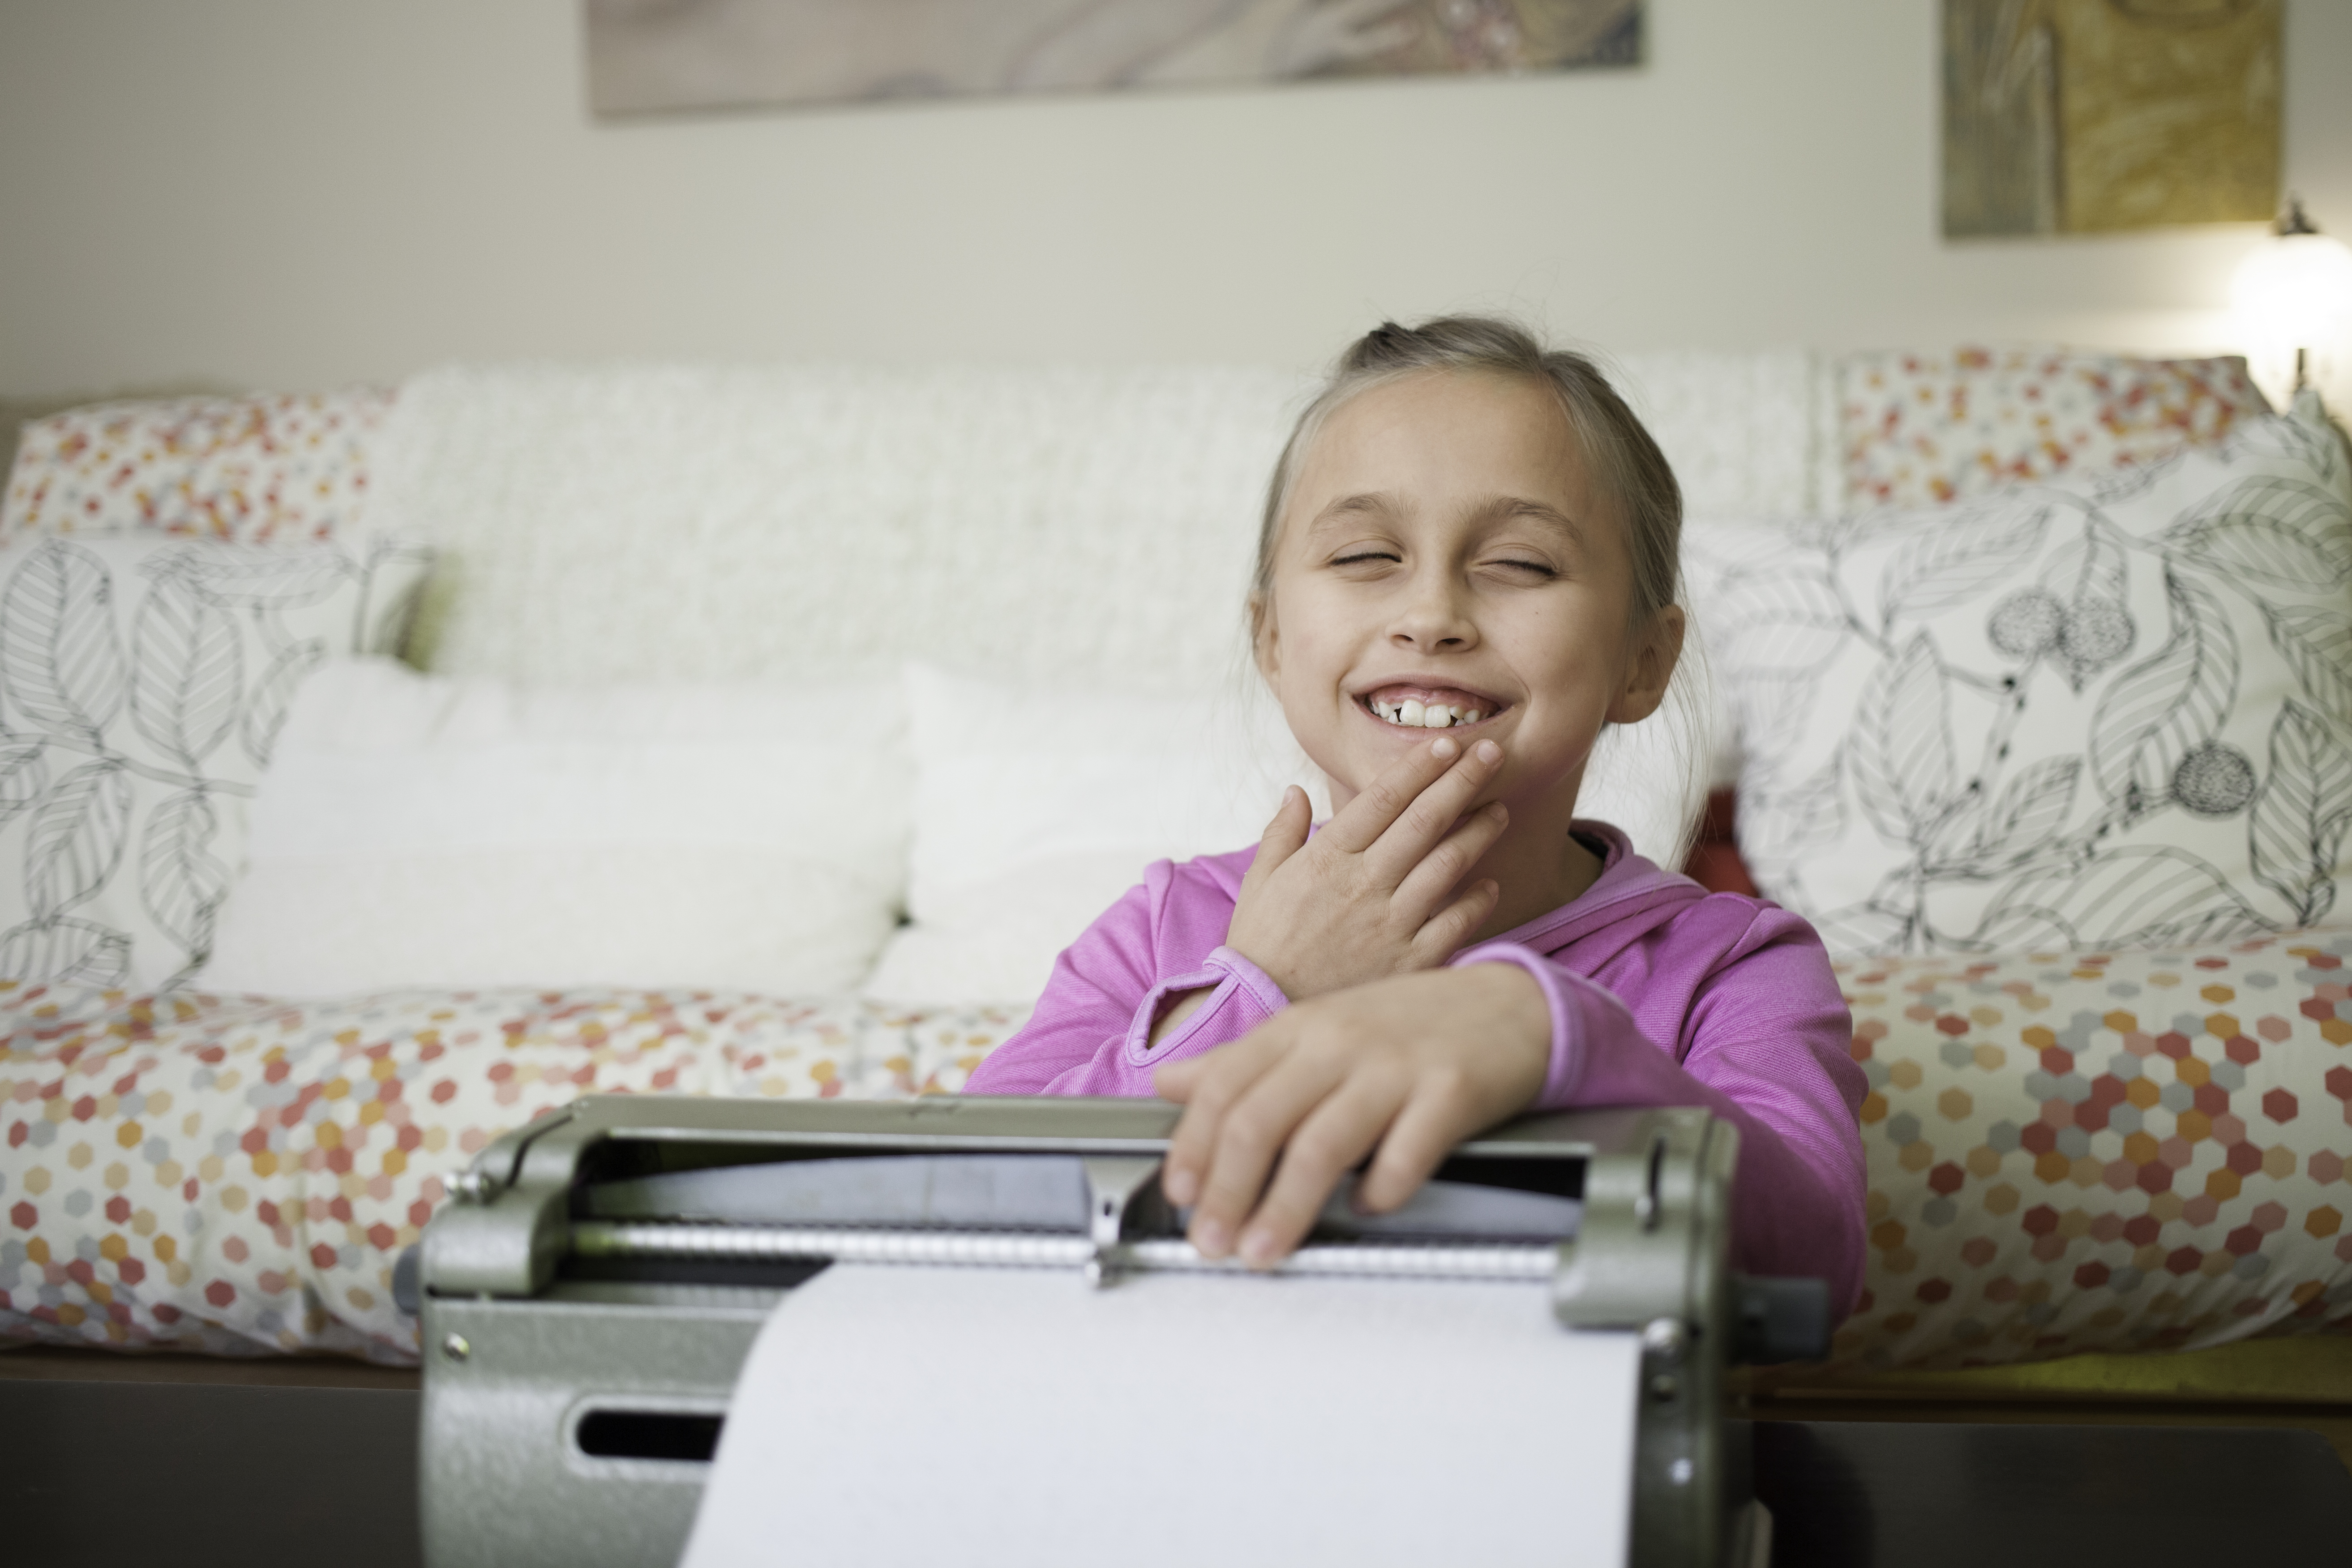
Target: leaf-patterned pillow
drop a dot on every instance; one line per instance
(2115, 714)
(142, 680)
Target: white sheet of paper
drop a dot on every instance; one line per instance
(946, 1417)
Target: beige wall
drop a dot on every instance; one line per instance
(299, 193)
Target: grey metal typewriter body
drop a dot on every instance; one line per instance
(589, 1299)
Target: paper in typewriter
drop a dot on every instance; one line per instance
(897, 1416)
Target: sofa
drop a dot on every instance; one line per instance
(386, 767)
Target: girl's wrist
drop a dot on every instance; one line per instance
(1284, 980)
(1541, 1009)
(1526, 1010)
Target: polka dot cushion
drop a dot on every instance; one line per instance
(283, 469)
(2067, 1152)
(236, 1176)
(1921, 429)
(2123, 1151)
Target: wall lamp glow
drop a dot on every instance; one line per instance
(2294, 292)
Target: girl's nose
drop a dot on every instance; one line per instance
(1431, 619)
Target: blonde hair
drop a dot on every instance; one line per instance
(1630, 469)
(1621, 457)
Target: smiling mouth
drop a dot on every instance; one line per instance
(1418, 713)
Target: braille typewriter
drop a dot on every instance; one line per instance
(589, 1299)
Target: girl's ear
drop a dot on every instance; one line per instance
(1265, 639)
(1655, 655)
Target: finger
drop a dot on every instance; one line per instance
(1177, 1081)
(1336, 1134)
(1440, 1112)
(1428, 886)
(1446, 932)
(1249, 1136)
(1283, 837)
(1355, 827)
(1432, 814)
(1208, 1085)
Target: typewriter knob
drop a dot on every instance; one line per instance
(471, 1186)
(407, 1287)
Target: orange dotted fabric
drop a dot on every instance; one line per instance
(1922, 429)
(282, 469)
(2124, 1151)
(236, 1176)
(2067, 1152)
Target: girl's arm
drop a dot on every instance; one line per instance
(1417, 1063)
(1765, 1046)
(1091, 1032)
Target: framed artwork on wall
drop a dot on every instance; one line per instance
(658, 56)
(2090, 116)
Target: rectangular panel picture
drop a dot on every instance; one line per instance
(652, 56)
(2090, 116)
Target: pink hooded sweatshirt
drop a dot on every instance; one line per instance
(1660, 993)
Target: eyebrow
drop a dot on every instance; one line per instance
(1488, 513)
(1369, 502)
(1495, 509)
(1500, 507)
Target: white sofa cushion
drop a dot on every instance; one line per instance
(145, 678)
(1036, 806)
(424, 832)
(803, 521)
(1061, 525)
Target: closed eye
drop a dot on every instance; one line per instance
(1361, 557)
(1538, 568)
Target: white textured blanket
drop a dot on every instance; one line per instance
(705, 523)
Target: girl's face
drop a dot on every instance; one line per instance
(1442, 547)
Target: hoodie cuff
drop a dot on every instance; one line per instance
(1241, 996)
(1566, 1072)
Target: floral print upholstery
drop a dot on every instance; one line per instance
(1919, 429)
(237, 1176)
(2103, 1151)
(265, 469)
(2067, 1152)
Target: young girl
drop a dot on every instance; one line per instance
(1468, 566)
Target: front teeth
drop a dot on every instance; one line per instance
(1432, 716)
